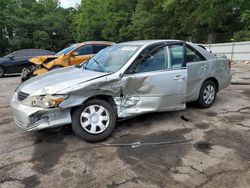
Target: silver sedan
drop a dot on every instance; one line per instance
(121, 81)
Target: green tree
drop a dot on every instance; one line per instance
(89, 20)
(149, 20)
(117, 19)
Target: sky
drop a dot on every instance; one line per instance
(69, 3)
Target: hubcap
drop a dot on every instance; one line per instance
(95, 119)
(209, 94)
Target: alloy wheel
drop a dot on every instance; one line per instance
(209, 94)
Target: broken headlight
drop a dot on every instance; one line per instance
(44, 101)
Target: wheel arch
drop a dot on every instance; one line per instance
(215, 81)
(106, 98)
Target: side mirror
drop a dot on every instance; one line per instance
(11, 57)
(73, 54)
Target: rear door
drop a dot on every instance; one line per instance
(197, 67)
(156, 82)
(83, 53)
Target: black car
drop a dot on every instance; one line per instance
(16, 61)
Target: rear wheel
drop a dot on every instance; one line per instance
(2, 72)
(207, 95)
(94, 121)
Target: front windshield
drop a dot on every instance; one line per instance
(67, 50)
(111, 59)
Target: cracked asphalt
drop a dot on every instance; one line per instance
(217, 155)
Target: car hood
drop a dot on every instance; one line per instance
(57, 80)
(41, 59)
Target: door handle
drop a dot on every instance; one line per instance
(204, 67)
(179, 77)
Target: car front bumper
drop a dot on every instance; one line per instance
(34, 119)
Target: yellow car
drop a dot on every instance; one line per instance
(72, 55)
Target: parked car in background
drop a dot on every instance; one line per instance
(72, 55)
(16, 61)
(121, 81)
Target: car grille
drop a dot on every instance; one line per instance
(21, 96)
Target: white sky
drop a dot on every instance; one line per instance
(69, 3)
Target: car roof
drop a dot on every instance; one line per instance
(95, 42)
(147, 42)
(31, 49)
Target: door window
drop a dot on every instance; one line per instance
(176, 56)
(22, 53)
(157, 60)
(84, 50)
(193, 55)
(39, 52)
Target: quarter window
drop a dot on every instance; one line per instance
(193, 55)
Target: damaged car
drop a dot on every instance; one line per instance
(72, 55)
(121, 81)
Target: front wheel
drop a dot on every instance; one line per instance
(94, 121)
(207, 95)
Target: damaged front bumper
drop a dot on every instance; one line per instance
(34, 119)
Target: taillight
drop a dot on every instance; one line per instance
(229, 63)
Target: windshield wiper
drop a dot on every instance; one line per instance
(99, 65)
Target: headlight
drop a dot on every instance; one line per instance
(44, 101)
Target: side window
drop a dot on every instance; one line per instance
(98, 47)
(193, 55)
(176, 55)
(84, 50)
(157, 60)
(22, 53)
(39, 53)
(35, 53)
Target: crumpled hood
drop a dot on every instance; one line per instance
(41, 59)
(57, 80)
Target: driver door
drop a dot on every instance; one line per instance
(157, 81)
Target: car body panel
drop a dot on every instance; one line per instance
(53, 81)
(40, 59)
(154, 91)
(132, 94)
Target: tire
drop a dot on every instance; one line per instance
(207, 94)
(86, 120)
(2, 72)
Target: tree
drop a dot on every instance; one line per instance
(117, 19)
(149, 20)
(89, 20)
